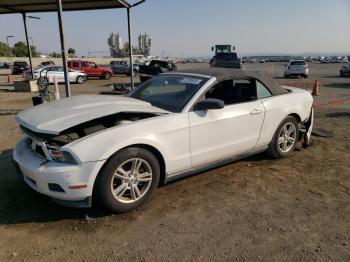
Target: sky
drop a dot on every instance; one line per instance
(185, 28)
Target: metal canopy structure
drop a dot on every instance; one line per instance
(35, 6)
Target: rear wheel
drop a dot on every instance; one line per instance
(80, 80)
(285, 139)
(128, 180)
(107, 75)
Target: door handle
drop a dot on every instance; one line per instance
(256, 111)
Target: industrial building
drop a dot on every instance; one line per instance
(118, 49)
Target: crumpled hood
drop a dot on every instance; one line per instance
(57, 116)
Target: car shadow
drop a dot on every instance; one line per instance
(339, 114)
(20, 204)
(338, 85)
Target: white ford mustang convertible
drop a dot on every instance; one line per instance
(118, 149)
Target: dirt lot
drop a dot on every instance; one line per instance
(257, 209)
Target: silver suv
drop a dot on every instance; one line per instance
(296, 68)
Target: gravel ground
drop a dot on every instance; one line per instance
(256, 209)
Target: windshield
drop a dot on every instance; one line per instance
(298, 62)
(169, 92)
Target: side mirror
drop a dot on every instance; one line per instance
(209, 103)
(212, 49)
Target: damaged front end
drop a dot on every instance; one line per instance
(48, 145)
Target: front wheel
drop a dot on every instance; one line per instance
(80, 80)
(107, 75)
(128, 180)
(285, 138)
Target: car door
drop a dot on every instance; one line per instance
(50, 74)
(232, 130)
(59, 73)
(94, 69)
(85, 67)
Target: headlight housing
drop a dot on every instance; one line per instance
(62, 156)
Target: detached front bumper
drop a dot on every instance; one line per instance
(52, 178)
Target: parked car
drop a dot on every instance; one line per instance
(345, 70)
(19, 67)
(47, 63)
(57, 71)
(123, 67)
(325, 60)
(118, 149)
(5, 65)
(296, 68)
(226, 60)
(155, 67)
(344, 59)
(90, 69)
(335, 59)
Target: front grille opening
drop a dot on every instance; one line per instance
(40, 151)
(56, 188)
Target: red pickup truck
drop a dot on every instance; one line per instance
(90, 68)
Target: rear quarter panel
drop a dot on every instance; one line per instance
(277, 108)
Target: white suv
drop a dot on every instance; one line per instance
(296, 68)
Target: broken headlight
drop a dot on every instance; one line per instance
(62, 156)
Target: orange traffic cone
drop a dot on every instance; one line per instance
(315, 89)
(270, 71)
(9, 79)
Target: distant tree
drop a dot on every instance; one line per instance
(20, 50)
(4, 51)
(54, 54)
(71, 52)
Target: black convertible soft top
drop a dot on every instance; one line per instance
(224, 73)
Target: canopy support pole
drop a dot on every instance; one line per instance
(63, 49)
(28, 45)
(130, 50)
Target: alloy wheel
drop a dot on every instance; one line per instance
(287, 137)
(131, 180)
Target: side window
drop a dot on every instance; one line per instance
(233, 91)
(261, 90)
(85, 64)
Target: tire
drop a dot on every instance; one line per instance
(305, 76)
(107, 75)
(286, 76)
(80, 80)
(109, 180)
(276, 148)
